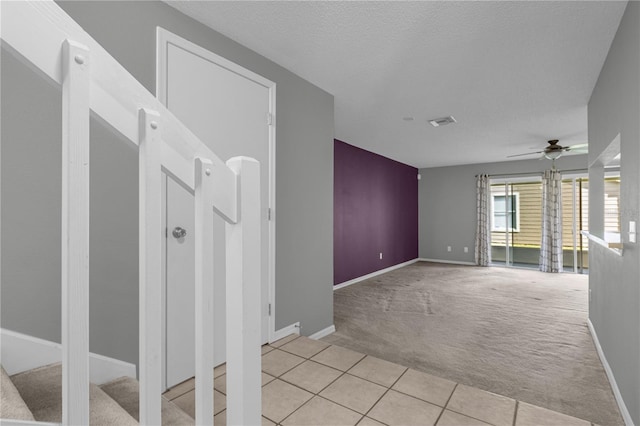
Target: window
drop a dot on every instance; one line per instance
(505, 212)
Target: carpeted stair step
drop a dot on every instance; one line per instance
(12, 406)
(125, 391)
(41, 389)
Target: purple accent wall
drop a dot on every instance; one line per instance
(375, 209)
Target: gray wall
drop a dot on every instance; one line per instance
(31, 187)
(614, 281)
(447, 203)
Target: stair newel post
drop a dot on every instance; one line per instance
(75, 233)
(244, 405)
(203, 237)
(150, 222)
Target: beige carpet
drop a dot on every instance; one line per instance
(41, 390)
(515, 332)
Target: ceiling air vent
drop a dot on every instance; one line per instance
(437, 122)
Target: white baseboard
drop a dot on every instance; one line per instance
(373, 274)
(453, 262)
(324, 332)
(21, 352)
(612, 380)
(12, 422)
(284, 332)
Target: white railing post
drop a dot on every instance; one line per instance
(244, 406)
(150, 318)
(75, 233)
(203, 236)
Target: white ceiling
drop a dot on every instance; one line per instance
(513, 74)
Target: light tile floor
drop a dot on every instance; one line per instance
(309, 382)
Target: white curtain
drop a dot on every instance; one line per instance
(551, 247)
(483, 227)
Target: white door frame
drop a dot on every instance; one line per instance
(164, 38)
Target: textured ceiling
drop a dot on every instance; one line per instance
(513, 74)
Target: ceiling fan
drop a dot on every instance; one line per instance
(555, 151)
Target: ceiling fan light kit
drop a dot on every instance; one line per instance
(553, 155)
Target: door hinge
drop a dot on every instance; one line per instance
(166, 232)
(269, 119)
(269, 309)
(268, 213)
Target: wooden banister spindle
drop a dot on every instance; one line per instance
(150, 319)
(244, 405)
(75, 233)
(203, 236)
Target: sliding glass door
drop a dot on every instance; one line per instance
(516, 218)
(575, 218)
(516, 207)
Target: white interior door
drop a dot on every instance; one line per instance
(180, 288)
(231, 110)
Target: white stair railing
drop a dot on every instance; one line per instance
(55, 46)
(150, 260)
(75, 233)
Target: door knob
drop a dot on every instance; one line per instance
(179, 232)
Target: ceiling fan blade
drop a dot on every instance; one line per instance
(582, 148)
(529, 153)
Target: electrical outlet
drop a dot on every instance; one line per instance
(380, 255)
(448, 248)
(466, 249)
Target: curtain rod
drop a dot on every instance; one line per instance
(538, 173)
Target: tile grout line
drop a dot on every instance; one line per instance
(182, 394)
(446, 403)
(463, 414)
(343, 373)
(318, 393)
(386, 391)
(301, 388)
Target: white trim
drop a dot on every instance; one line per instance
(453, 262)
(324, 332)
(164, 37)
(374, 274)
(612, 380)
(13, 422)
(284, 332)
(21, 352)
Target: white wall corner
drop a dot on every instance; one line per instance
(626, 416)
